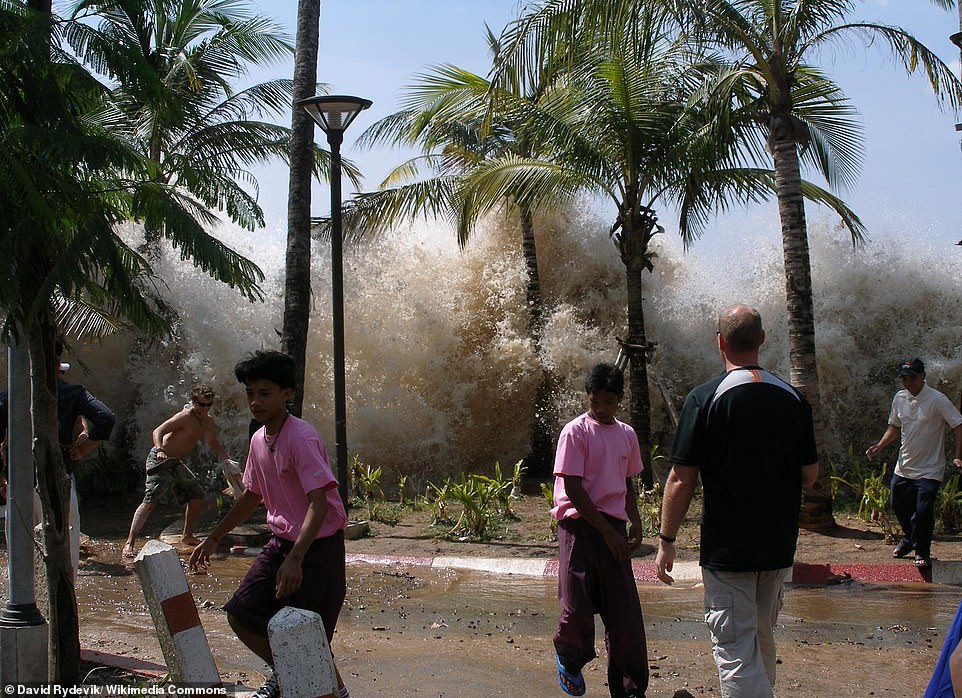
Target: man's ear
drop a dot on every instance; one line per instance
(763, 338)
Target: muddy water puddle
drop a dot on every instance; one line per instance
(415, 631)
(402, 624)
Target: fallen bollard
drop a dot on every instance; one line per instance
(172, 607)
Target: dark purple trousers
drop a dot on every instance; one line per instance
(591, 581)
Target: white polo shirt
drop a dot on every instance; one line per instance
(922, 419)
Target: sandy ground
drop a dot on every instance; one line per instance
(427, 632)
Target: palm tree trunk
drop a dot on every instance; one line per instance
(638, 225)
(640, 399)
(54, 489)
(539, 461)
(297, 279)
(817, 503)
(53, 486)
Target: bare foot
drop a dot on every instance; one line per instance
(190, 540)
(128, 551)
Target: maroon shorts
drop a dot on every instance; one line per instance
(322, 589)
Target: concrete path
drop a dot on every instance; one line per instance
(947, 572)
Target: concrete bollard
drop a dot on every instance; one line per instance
(302, 657)
(172, 607)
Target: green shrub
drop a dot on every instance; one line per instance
(369, 484)
(547, 491)
(948, 506)
(853, 472)
(872, 496)
(478, 495)
(649, 508)
(438, 499)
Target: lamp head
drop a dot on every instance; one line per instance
(334, 113)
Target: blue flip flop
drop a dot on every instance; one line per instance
(572, 684)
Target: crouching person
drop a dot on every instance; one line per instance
(288, 469)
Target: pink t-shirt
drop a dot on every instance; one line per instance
(604, 456)
(298, 464)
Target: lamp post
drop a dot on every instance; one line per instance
(334, 114)
(23, 631)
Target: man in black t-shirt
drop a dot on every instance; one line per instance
(749, 435)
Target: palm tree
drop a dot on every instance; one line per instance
(67, 183)
(447, 115)
(781, 104)
(636, 132)
(172, 64)
(800, 116)
(297, 270)
(619, 128)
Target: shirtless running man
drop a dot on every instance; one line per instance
(168, 478)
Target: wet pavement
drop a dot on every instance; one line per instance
(420, 630)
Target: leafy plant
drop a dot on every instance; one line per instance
(402, 485)
(654, 456)
(874, 505)
(949, 505)
(500, 489)
(852, 473)
(439, 502)
(649, 507)
(477, 495)
(369, 483)
(547, 491)
(519, 471)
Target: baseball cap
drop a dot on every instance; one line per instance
(911, 367)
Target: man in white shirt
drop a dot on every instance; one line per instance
(919, 416)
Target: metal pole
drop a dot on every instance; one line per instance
(21, 608)
(334, 138)
(23, 631)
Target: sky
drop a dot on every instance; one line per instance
(909, 186)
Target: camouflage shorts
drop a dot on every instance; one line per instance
(169, 481)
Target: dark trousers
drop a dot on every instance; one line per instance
(914, 504)
(591, 581)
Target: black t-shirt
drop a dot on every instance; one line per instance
(749, 433)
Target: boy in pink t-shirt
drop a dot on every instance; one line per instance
(594, 499)
(288, 470)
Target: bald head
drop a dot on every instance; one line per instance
(741, 328)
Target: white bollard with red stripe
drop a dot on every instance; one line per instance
(302, 657)
(172, 607)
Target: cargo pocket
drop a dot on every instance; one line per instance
(720, 618)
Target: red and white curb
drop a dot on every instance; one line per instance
(941, 572)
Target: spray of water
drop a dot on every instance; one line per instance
(441, 376)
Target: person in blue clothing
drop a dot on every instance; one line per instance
(946, 680)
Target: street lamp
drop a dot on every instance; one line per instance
(334, 114)
(957, 40)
